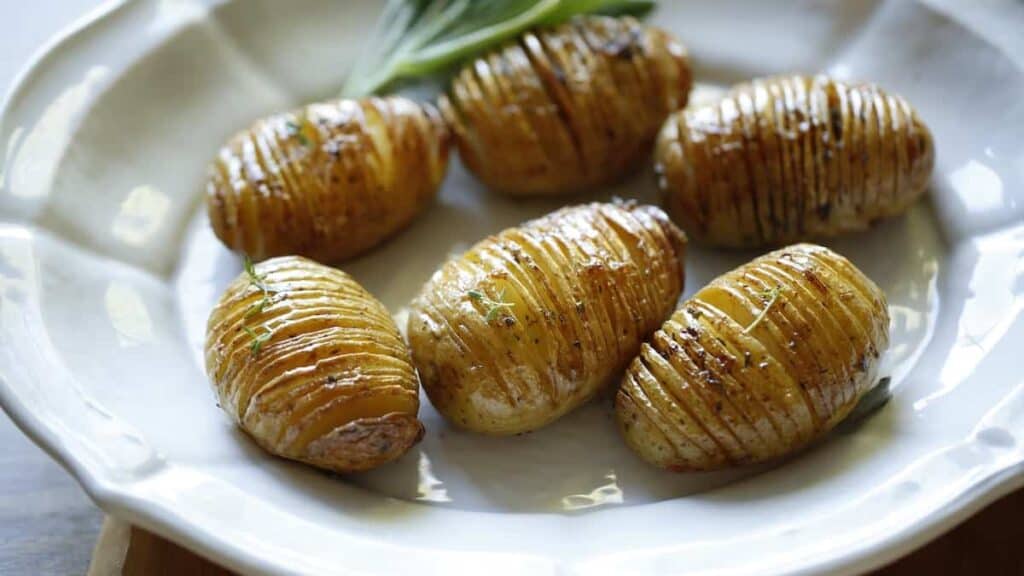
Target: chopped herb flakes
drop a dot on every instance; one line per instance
(492, 307)
(258, 281)
(295, 131)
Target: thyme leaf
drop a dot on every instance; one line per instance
(872, 400)
(295, 131)
(257, 339)
(770, 296)
(259, 281)
(250, 271)
(492, 308)
(257, 307)
(256, 279)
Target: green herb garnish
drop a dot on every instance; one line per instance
(295, 131)
(258, 306)
(769, 295)
(255, 279)
(250, 271)
(416, 38)
(266, 297)
(492, 307)
(257, 339)
(872, 400)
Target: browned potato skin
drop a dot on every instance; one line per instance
(333, 386)
(328, 181)
(709, 391)
(791, 158)
(564, 109)
(586, 284)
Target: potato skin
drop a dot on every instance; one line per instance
(566, 108)
(586, 285)
(791, 158)
(709, 391)
(333, 386)
(328, 181)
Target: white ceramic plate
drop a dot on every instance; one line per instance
(108, 270)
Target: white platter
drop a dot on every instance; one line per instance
(108, 270)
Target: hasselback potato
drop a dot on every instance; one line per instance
(312, 366)
(531, 322)
(789, 158)
(757, 364)
(328, 181)
(566, 108)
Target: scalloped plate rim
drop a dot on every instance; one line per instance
(159, 517)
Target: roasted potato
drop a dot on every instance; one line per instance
(312, 366)
(328, 181)
(784, 159)
(566, 108)
(759, 363)
(531, 322)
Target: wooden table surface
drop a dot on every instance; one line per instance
(49, 527)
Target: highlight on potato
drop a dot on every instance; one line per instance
(312, 367)
(756, 365)
(567, 108)
(532, 322)
(328, 181)
(790, 158)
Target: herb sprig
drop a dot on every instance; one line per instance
(870, 402)
(295, 131)
(257, 339)
(769, 296)
(492, 307)
(259, 281)
(416, 38)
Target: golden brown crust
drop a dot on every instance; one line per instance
(789, 158)
(757, 364)
(586, 285)
(563, 109)
(328, 181)
(332, 385)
